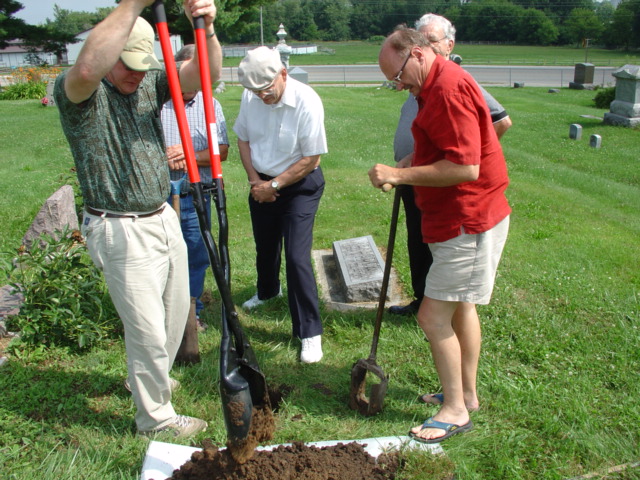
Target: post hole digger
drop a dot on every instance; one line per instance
(358, 399)
(243, 388)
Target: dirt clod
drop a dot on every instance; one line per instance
(261, 430)
(293, 462)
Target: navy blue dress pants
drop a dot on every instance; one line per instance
(290, 219)
(420, 258)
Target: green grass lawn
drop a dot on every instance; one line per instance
(358, 52)
(558, 377)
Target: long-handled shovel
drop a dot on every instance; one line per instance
(358, 399)
(189, 351)
(243, 388)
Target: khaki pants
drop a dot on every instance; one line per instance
(144, 261)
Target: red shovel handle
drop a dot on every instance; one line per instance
(176, 92)
(209, 110)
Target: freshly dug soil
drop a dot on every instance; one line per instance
(295, 462)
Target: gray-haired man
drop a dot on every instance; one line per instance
(441, 34)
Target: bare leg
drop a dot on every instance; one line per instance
(467, 327)
(435, 317)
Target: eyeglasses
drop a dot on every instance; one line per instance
(436, 41)
(397, 78)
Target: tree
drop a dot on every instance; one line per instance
(583, 24)
(75, 22)
(11, 28)
(536, 29)
(490, 20)
(331, 17)
(624, 30)
(33, 37)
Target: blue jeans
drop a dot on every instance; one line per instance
(198, 256)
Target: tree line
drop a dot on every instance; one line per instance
(523, 22)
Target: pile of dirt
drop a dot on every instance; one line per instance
(294, 462)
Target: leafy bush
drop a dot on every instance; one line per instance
(376, 39)
(29, 83)
(605, 96)
(66, 302)
(24, 91)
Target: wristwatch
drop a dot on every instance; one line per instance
(275, 185)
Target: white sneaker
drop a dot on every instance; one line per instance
(181, 427)
(311, 349)
(254, 301)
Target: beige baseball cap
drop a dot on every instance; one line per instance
(259, 68)
(138, 52)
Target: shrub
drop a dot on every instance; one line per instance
(376, 39)
(604, 97)
(29, 83)
(66, 303)
(24, 91)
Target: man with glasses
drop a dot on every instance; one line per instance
(459, 176)
(441, 35)
(281, 137)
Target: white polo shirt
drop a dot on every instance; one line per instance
(280, 135)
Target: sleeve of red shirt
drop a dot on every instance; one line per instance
(456, 125)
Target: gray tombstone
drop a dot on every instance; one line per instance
(625, 109)
(58, 212)
(360, 267)
(575, 131)
(553, 90)
(518, 84)
(299, 74)
(595, 141)
(583, 77)
(50, 101)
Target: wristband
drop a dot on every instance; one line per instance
(211, 35)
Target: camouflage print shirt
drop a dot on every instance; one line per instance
(117, 144)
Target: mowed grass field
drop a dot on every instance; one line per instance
(558, 377)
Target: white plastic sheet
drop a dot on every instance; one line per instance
(163, 458)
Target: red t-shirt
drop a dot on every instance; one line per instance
(454, 124)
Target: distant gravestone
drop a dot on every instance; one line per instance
(58, 212)
(575, 131)
(583, 77)
(360, 268)
(48, 100)
(299, 74)
(595, 141)
(518, 84)
(553, 90)
(220, 88)
(625, 109)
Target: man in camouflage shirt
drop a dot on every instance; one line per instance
(110, 103)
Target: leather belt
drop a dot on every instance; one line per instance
(99, 213)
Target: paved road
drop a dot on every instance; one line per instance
(550, 76)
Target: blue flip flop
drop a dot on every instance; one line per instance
(437, 396)
(450, 429)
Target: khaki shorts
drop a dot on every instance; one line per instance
(464, 268)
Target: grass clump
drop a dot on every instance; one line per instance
(561, 339)
(604, 97)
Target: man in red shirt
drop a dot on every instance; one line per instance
(459, 176)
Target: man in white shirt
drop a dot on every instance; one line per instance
(281, 136)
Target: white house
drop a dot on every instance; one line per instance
(73, 49)
(15, 55)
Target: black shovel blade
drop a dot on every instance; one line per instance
(243, 388)
(358, 399)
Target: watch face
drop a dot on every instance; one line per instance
(274, 184)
